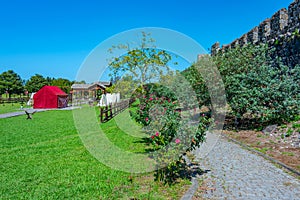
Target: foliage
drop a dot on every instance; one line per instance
(124, 85)
(79, 82)
(204, 79)
(63, 84)
(145, 62)
(296, 34)
(257, 86)
(35, 83)
(160, 104)
(11, 83)
(174, 170)
(197, 82)
(169, 131)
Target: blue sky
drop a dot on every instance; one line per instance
(53, 38)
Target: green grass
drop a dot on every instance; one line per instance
(296, 125)
(262, 150)
(288, 153)
(11, 107)
(127, 133)
(283, 126)
(44, 158)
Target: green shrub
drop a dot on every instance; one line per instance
(296, 125)
(257, 85)
(169, 132)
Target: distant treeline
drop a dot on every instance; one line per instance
(12, 83)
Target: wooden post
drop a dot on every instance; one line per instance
(101, 114)
(111, 111)
(115, 109)
(106, 114)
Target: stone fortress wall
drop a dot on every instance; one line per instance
(280, 31)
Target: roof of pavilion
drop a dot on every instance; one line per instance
(102, 85)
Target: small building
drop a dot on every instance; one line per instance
(87, 91)
(50, 97)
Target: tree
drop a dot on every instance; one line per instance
(35, 83)
(197, 82)
(259, 87)
(79, 82)
(145, 62)
(126, 86)
(63, 84)
(49, 80)
(11, 83)
(169, 132)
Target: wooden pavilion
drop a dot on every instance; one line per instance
(88, 91)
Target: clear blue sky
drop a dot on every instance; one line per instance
(53, 37)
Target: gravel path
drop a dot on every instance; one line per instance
(236, 173)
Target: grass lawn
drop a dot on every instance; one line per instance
(44, 158)
(11, 107)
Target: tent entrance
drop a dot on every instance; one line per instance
(62, 101)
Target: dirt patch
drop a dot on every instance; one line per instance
(274, 144)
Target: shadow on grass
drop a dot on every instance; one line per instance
(171, 175)
(147, 142)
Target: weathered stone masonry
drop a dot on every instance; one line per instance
(279, 31)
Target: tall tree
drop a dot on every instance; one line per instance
(11, 83)
(35, 83)
(144, 62)
(49, 80)
(63, 84)
(125, 86)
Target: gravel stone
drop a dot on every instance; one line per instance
(236, 173)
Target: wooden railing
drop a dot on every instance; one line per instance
(108, 112)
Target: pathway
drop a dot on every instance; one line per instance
(236, 173)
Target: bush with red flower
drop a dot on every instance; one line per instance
(171, 133)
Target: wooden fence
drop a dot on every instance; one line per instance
(108, 112)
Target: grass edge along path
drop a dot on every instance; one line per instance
(12, 107)
(45, 158)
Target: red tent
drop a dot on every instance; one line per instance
(50, 97)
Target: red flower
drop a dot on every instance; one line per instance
(150, 99)
(177, 141)
(157, 134)
(152, 137)
(193, 141)
(147, 119)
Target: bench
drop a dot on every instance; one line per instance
(29, 113)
